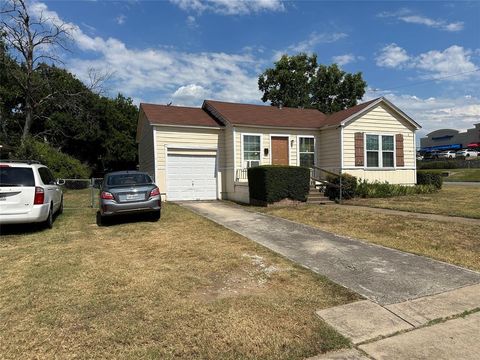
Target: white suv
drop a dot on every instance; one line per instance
(28, 193)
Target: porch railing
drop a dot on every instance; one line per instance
(241, 175)
(320, 177)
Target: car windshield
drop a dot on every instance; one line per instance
(128, 179)
(16, 176)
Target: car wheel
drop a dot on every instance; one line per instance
(100, 219)
(60, 209)
(49, 221)
(155, 216)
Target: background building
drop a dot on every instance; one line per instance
(446, 139)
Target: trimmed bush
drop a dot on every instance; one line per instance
(270, 183)
(61, 164)
(349, 187)
(443, 164)
(385, 190)
(430, 178)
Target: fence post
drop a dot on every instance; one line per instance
(92, 188)
(340, 200)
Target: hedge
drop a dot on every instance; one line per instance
(384, 190)
(430, 178)
(271, 183)
(459, 163)
(61, 164)
(349, 187)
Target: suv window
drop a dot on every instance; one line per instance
(46, 176)
(16, 176)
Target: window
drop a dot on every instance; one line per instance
(16, 176)
(129, 179)
(251, 150)
(380, 151)
(306, 151)
(46, 175)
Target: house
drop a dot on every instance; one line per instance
(203, 153)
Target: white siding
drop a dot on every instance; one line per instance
(381, 120)
(328, 148)
(188, 141)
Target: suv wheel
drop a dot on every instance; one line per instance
(60, 209)
(49, 221)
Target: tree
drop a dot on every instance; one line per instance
(298, 81)
(31, 39)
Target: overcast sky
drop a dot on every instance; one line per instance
(424, 56)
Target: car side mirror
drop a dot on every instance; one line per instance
(60, 181)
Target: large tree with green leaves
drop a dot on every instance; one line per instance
(299, 81)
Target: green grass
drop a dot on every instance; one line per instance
(182, 287)
(457, 174)
(450, 200)
(450, 242)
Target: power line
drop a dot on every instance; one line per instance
(428, 81)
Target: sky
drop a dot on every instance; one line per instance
(424, 56)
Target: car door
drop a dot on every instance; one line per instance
(51, 189)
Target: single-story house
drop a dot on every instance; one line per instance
(203, 153)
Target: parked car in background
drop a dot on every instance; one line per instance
(467, 153)
(128, 192)
(419, 156)
(29, 193)
(432, 155)
(449, 154)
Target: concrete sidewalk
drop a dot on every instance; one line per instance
(383, 275)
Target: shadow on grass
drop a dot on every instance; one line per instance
(25, 229)
(126, 219)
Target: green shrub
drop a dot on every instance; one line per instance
(61, 165)
(349, 187)
(442, 164)
(430, 178)
(268, 184)
(384, 190)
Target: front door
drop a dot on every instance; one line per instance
(280, 150)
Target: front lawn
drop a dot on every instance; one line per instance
(183, 288)
(457, 174)
(453, 200)
(447, 241)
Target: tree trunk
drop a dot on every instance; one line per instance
(28, 120)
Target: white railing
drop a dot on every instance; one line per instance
(241, 175)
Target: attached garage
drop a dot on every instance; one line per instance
(191, 177)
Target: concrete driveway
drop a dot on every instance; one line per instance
(383, 275)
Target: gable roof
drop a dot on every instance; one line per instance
(265, 115)
(177, 115)
(217, 113)
(345, 116)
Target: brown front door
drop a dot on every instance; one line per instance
(279, 150)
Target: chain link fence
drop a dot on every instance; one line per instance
(81, 193)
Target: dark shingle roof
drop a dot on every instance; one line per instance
(177, 115)
(265, 115)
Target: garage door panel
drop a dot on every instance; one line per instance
(191, 177)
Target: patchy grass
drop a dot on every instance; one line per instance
(182, 287)
(457, 174)
(450, 200)
(451, 242)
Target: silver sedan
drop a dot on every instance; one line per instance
(127, 192)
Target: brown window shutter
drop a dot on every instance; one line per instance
(400, 159)
(359, 149)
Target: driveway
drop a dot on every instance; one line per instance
(383, 275)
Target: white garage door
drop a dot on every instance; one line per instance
(191, 177)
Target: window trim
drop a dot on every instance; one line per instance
(380, 152)
(314, 148)
(242, 135)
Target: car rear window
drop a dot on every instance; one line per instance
(128, 179)
(16, 176)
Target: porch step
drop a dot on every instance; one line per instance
(318, 198)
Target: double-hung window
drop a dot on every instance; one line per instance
(251, 150)
(306, 151)
(380, 151)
